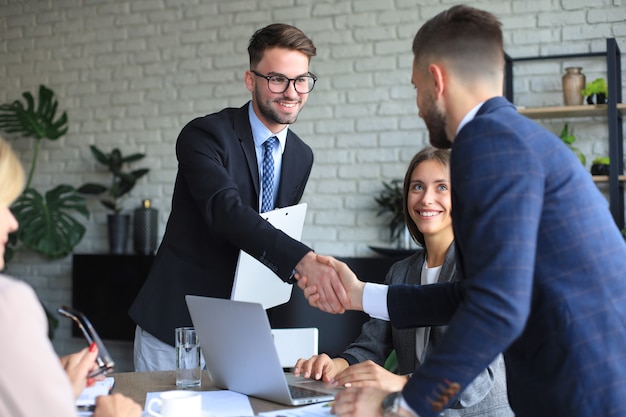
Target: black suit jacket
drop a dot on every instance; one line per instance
(214, 215)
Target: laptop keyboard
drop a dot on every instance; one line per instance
(300, 392)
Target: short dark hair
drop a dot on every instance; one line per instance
(465, 36)
(278, 35)
(427, 154)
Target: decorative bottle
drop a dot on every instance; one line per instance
(145, 225)
(573, 83)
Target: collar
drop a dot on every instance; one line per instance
(260, 132)
(469, 116)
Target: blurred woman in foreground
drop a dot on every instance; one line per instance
(33, 381)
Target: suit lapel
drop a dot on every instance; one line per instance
(244, 133)
(288, 179)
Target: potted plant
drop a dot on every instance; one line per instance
(47, 222)
(598, 90)
(569, 138)
(47, 225)
(390, 201)
(600, 166)
(122, 182)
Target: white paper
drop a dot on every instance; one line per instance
(254, 282)
(87, 397)
(222, 403)
(89, 394)
(313, 410)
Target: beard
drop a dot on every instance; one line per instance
(266, 110)
(436, 124)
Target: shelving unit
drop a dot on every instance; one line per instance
(613, 111)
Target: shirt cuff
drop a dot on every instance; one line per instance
(406, 406)
(375, 301)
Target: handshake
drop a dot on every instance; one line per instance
(329, 284)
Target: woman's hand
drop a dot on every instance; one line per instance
(320, 367)
(370, 374)
(116, 405)
(78, 365)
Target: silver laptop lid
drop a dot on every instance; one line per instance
(238, 348)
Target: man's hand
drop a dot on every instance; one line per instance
(362, 402)
(370, 374)
(349, 281)
(359, 402)
(331, 296)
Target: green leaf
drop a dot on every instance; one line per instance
(122, 182)
(39, 123)
(134, 157)
(46, 223)
(111, 205)
(138, 173)
(391, 204)
(91, 188)
(602, 160)
(99, 155)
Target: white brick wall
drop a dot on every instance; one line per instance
(132, 73)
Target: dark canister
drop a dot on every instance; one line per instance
(145, 224)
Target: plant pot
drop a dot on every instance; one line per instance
(600, 169)
(599, 98)
(118, 225)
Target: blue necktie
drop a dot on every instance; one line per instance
(267, 203)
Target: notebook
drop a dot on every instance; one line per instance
(240, 354)
(256, 283)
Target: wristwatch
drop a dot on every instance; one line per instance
(391, 403)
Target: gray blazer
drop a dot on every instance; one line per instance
(485, 396)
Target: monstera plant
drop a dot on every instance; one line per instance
(47, 222)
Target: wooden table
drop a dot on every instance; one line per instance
(137, 384)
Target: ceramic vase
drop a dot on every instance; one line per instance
(573, 83)
(145, 229)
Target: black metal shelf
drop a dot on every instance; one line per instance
(614, 112)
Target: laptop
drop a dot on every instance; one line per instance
(256, 283)
(240, 354)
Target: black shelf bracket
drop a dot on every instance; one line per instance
(615, 122)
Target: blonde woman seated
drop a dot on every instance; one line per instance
(427, 210)
(33, 381)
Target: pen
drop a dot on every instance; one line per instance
(330, 404)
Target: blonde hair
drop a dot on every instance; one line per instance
(12, 176)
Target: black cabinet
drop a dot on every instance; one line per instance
(104, 287)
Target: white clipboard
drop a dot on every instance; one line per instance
(256, 283)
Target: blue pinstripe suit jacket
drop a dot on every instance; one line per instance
(544, 276)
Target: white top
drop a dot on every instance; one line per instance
(32, 380)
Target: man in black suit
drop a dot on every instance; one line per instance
(219, 193)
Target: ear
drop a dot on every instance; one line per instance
(437, 72)
(249, 79)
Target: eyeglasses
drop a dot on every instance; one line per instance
(104, 361)
(279, 83)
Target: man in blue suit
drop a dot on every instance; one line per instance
(544, 264)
